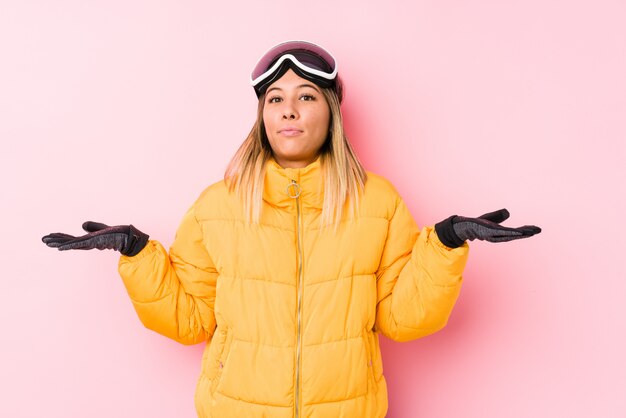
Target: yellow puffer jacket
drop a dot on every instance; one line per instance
(290, 312)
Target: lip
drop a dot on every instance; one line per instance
(290, 131)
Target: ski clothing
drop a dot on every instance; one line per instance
(291, 312)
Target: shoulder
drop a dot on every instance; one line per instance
(216, 201)
(380, 197)
(379, 185)
(217, 189)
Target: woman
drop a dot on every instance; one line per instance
(290, 267)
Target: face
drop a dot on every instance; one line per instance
(296, 117)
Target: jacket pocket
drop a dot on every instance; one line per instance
(369, 351)
(225, 339)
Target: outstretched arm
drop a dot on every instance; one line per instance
(420, 274)
(174, 294)
(418, 281)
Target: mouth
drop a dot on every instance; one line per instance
(290, 131)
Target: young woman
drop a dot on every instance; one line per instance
(290, 267)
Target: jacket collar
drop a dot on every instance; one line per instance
(278, 182)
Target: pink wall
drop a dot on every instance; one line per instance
(123, 111)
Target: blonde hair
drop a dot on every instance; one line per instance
(344, 176)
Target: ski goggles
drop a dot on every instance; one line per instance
(306, 59)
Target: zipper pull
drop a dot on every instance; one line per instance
(293, 190)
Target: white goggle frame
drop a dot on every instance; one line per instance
(303, 67)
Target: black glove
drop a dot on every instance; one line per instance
(126, 239)
(453, 232)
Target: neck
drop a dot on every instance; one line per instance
(294, 163)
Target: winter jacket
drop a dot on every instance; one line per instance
(291, 312)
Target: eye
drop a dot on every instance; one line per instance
(307, 97)
(274, 99)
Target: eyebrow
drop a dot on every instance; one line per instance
(314, 87)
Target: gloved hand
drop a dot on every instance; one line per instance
(126, 239)
(453, 232)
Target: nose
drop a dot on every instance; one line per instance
(289, 111)
(289, 114)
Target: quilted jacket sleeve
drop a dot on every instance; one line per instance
(418, 281)
(174, 294)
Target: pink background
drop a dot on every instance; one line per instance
(123, 111)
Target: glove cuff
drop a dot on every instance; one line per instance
(446, 234)
(135, 243)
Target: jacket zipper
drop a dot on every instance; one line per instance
(296, 188)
